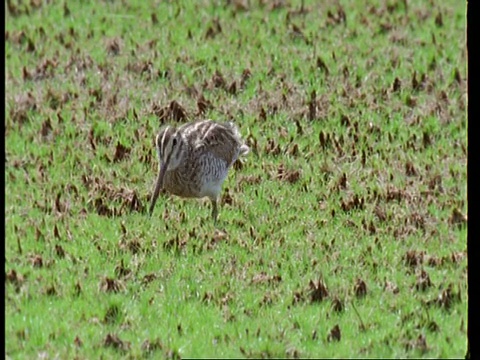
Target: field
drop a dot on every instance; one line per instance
(341, 234)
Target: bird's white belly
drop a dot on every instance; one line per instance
(212, 188)
(214, 173)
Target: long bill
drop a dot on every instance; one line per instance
(158, 186)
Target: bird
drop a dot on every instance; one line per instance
(194, 159)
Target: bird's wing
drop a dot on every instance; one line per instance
(221, 140)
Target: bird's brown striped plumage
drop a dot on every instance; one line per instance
(195, 159)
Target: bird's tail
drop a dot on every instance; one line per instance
(244, 150)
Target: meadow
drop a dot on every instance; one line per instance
(343, 233)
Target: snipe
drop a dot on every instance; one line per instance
(195, 159)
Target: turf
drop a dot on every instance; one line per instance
(341, 234)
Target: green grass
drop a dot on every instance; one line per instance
(349, 211)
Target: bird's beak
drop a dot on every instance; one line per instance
(158, 186)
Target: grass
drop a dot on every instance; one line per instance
(343, 232)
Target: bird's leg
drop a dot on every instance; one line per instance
(214, 210)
